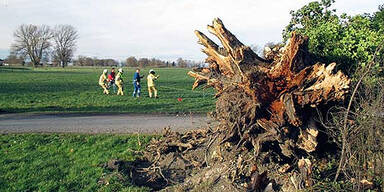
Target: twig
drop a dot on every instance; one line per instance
(138, 139)
(158, 170)
(344, 130)
(207, 149)
(161, 174)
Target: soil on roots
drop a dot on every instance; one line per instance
(266, 138)
(198, 161)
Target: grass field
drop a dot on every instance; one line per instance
(77, 90)
(72, 162)
(64, 162)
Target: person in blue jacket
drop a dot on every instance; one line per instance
(136, 83)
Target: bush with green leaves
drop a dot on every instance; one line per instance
(347, 40)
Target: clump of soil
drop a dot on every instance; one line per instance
(197, 161)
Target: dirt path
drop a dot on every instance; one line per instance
(98, 123)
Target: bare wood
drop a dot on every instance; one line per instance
(267, 96)
(262, 105)
(305, 167)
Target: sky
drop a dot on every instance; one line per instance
(160, 29)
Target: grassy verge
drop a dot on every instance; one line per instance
(77, 90)
(63, 162)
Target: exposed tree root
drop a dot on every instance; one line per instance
(266, 133)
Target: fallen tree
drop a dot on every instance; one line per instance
(260, 100)
(266, 133)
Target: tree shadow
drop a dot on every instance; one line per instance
(146, 108)
(7, 69)
(133, 172)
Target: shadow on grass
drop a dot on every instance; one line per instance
(46, 87)
(133, 171)
(7, 69)
(30, 71)
(61, 72)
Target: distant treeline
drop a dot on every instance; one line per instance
(135, 62)
(94, 61)
(42, 45)
(89, 61)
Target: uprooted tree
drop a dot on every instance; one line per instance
(266, 130)
(260, 100)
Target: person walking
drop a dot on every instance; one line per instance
(136, 83)
(119, 82)
(111, 80)
(102, 81)
(151, 83)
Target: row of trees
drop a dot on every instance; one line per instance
(134, 62)
(145, 62)
(42, 42)
(88, 61)
(14, 59)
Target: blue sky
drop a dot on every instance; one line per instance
(157, 28)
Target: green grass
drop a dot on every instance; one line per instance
(63, 162)
(77, 90)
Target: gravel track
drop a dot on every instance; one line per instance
(98, 123)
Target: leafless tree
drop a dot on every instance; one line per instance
(32, 40)
(181, 63)
(14, 59)
(65, 37)
(143, 62)
(131, 62)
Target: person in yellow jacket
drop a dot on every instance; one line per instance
(119, 82)
(103, 81)
(151, 83)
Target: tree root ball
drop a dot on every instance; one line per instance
(265, 111)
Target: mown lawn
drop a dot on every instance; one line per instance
(64, 162)
(76, 90)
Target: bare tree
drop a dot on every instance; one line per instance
(181, 62)
(14, 59)
(131, 62)
(65, 37)
(143, 62)
(32, 40)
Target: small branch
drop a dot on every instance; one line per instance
(207, 149)
(344, 130)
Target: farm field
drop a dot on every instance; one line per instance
(77, 90)
(65, 162)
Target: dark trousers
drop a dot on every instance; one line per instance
(136, 89)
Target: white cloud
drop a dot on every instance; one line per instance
(157, 28)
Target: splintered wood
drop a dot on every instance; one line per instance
(265, 109)
(267, 100)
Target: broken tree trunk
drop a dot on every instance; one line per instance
(265, 121)
(261, 100)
